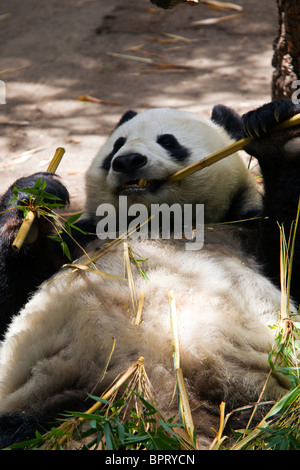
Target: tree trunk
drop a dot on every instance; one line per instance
(286, 58)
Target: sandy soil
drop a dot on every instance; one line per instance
(54, 51)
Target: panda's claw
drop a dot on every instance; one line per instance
(260, 121)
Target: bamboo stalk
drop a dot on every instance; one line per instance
(23, 231)
(138, 317)
(29, 219)
(184, 405)
(210, 159)
(53, 165)
(122, 380)
(229, 150)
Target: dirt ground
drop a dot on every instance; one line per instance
(54, 51)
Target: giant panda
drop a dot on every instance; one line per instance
(58, 324)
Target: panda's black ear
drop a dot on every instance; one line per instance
(229, 119)
(126, 117)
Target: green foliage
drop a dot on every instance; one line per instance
(37, 197)
(277, 438)
(279, 429)
(41, 202)
(283, 358)
(115, 427)
(137, 262)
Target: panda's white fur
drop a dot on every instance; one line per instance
(65, 333)
(62, 338)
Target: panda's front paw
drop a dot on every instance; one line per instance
(258, 122)
(40, 190)
(47, 184)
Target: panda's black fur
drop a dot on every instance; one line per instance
(227, 294)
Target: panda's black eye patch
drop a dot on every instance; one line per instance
(117, 145)
(171, 144)
(168, 141)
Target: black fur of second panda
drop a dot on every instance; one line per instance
(22, 272)
(281, 178)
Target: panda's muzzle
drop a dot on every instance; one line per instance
(141, 184)
(129, 163)
(129, 166)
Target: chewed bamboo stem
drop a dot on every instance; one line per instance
(23, 231)
(29, 219)
(59, 153)
(210, 159)
(225, 152)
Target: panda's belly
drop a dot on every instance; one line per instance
(68, 329)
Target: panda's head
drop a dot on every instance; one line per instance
(145, 149)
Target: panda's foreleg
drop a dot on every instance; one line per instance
(21, 272)
(16, 427)
(278, 154)
(22, 426)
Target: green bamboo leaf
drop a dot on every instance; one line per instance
(109, 438)
(121, 432)
(74, 217)
(53, 237)
(66, 250)
(281, 405)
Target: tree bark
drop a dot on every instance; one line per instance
(286, 58)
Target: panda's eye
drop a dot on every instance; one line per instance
(171, 144)
(167, 141)
(117, 145)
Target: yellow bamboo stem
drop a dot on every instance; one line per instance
(183, 397)
(29, 219)
(23, 231)
(59, 153)
(210, 159)
(229, 150)
(122, 380)
(185, 406)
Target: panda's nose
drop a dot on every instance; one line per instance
(129, 163)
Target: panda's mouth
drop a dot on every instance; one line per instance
(141, 184)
